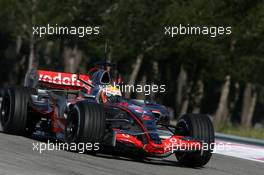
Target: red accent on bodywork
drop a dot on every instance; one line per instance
(123, 104)
(129, 139)
(63, 80)
(146, 117)
(58, 124)
(167, 145)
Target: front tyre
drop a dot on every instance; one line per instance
(85, 123)
(199, 127)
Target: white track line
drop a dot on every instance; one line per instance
(244, 151)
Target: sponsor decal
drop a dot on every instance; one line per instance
(60, 78)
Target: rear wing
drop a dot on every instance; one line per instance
(63, 80)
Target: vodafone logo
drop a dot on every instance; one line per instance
(61, 78)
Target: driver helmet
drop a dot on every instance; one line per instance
(109, 94)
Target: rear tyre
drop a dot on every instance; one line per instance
(198, 127)
(85, 123)
(14, 110)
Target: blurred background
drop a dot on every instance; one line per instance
(221, 76)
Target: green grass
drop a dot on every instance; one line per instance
(243, 132)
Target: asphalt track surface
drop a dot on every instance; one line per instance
(17, 157)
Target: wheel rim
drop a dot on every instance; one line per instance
(183, 129)
(72, 125)
(5, 110)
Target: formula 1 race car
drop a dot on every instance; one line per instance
(89, 108)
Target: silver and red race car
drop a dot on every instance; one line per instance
(89, 108)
